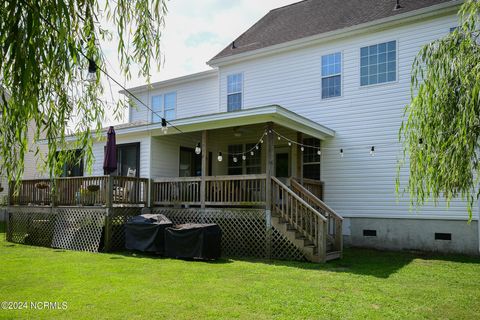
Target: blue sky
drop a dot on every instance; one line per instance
(195, 31)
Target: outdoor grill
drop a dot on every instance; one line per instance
(146, 233)
(199, 241)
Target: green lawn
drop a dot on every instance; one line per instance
(365, 284)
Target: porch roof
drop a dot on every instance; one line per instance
(271, 113)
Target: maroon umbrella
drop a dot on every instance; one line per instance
(110, 161)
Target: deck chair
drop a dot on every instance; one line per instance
(122, 193)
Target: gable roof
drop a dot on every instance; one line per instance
(312, 17)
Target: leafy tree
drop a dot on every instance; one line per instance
(441, 129)
(46, 49)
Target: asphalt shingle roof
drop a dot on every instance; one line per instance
(313, 17)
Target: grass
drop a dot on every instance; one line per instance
(365, 284)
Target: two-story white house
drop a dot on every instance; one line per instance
(297, 123)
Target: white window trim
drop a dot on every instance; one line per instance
(242, 88)
(388, 83)
(332, 75)
(162, 111)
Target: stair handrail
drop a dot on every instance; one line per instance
(298, 198)
(315, 199)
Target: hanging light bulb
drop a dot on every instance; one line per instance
(261, 140)
(289, 144)
(244, 157)
(198, 149)
(92, 71)
(302, 149)
(279, 138)
(235, 159)
(164, 126)
(256, 146)
(252, 153)
(220, 157)
(341, 153)
(319, 152)
(372, 151)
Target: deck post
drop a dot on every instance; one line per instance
(204, 169)
(150, 193)
(268, 186)
(108, 209)
(299, 158)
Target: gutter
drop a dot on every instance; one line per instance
(407, 17)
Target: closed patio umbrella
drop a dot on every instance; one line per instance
(110, 161)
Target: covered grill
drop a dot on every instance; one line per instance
(146, 233)
(201, 241)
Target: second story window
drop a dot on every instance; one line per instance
(234, 92)
(332, 75)
(378, 63)
(164, 106)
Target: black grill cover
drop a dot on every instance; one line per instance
(202, 241)
(146, 233)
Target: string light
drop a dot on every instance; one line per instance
(289, 144)
(302, 148)
(256, 146)
(220, 157)
(278, 137)
(319, 152)
(244, 157)
(198, 149)
(235, 159)
(252, 153)
(164, 126)
(261, 140)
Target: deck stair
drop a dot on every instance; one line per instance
(306, 221)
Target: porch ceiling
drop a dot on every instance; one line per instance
(271, 113)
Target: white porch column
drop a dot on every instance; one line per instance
(204, 169)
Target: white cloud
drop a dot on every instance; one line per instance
(195, 31)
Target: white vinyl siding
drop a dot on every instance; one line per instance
(357, 184)
(192, 99)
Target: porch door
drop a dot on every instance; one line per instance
(282, 163)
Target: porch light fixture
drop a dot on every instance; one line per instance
(92, 71)
(220, 157)
(372, 151)
(198, 150)
(164, 126)
(341, 153)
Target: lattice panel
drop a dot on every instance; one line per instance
(78, 228)
(283, 249)
(243, 230)
(31, 226)
(118, 218)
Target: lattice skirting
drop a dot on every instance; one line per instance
(244, 231)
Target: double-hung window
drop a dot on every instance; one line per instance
(332, 75)
(378, 63)
(164, 105)
(234, 92)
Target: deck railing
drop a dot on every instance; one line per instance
(334, 220)
(81, 191)
(232, 190)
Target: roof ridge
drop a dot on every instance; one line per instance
(288, 5)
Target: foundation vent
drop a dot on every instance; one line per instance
(443, 236)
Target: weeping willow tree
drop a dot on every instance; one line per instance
(441, 129)
(46, 49)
